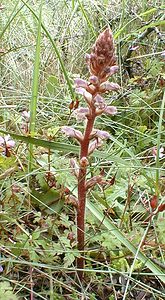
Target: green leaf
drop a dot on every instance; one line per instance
(68, 259)
(49, 202)
(121, 237)
(7, 162)
(6, 291)
(35, 88)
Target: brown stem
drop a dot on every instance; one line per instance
(82, 193)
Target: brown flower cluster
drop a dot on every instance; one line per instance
(102, 64)
(102, 57)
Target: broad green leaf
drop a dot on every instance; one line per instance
(49, 202)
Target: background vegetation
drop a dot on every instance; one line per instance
(43, 45)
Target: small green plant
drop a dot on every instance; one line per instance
(102, 64)
(6, 291)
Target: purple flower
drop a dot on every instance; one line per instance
(80, 90)
(99, 102)
(94, 79)
(94, 145)
(81, 113)
(109, 71)
(109, 86)
(103, 135)
(26, 115)
(161, 152)
(88, 97)
(6, 141)
(110, 110)
(87, 58)
(113, 70)
(133, 48)
(80, 83)
(1, 269)
(71, 132)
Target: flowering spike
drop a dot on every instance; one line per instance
(101, 64)
(103, 53)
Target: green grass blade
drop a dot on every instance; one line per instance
(11, 18)
(86, 18)
(120, 236)
(56, 51)
(150, 11)
(65, 148)
(33, 103)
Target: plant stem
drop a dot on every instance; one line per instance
(82, 192)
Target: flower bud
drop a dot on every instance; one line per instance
(93, 181)
(161, 207)
(94, 80)
(94, 145)
(74, 166)
(84, 162)
(154, 202)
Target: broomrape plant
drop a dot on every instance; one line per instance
(102, 65)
